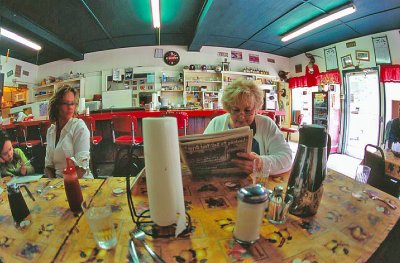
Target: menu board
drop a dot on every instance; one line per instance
(382, 52)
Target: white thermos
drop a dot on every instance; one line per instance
(252, 201)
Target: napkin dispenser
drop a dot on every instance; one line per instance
(19, 209)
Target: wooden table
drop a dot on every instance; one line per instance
(344, 230)
(392, 164)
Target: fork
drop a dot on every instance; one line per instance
(375, 197)
(47, 188)
(139, 235)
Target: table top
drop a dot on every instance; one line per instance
(343, 230)
(392, 164)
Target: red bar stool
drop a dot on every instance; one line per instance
(94, 140)
(12, 133)
(292, 130)
(270, 114)
(123, 133)
(44, 126)
(30, 134)
(182, 120)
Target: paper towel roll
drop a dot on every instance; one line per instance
(81, 105)
(154, 98)
(163, 172)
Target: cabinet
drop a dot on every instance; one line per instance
(202, 88)
(171, 88)
(44, 92)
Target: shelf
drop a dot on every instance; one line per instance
(200, 71)
(320, 119)
(325, 108)
(44, 95)
(58, 83)
(172, 90)
(250, 74)
(206, 91)
(204, 81)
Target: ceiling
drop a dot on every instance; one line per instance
(71, 28)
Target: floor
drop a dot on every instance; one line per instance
(341, 163)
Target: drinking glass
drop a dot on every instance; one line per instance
(360, 180)
(100, 223)
(261, 170)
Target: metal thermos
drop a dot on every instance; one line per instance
(19, 209)
(308, 171)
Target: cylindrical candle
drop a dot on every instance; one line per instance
(163, 170)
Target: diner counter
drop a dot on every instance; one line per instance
(343, 230)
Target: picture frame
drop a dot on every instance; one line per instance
(362, 55)
(347, 61)
(382, 50)
(331, 61)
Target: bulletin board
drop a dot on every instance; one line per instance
(284, 102)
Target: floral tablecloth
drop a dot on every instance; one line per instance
(392, 165)
(343, 230)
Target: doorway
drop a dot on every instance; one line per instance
(362, 111)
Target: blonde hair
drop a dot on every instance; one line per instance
(239, 91)
(56, 100)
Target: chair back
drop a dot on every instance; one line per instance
(270, 114)
(90, 123)
(44, 126)
(123, 125)
(378, 178)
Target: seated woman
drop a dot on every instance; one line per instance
(242, 99)
(67, 136)
(12, 161)
(394, 133)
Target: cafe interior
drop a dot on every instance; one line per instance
(148, 77)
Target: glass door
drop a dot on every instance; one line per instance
(362, 111)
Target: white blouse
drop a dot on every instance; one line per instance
(74, 142)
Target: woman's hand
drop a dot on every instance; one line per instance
(23, 170)
(246, 162)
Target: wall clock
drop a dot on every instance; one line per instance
(171, 58)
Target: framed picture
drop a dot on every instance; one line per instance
(347, 61)
(382, 51)
(331, 61)
(362, 55)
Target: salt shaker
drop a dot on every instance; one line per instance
(278, 206)
(251, 205)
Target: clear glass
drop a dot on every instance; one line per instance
(360, 180)
(100, 222)
(261, 170)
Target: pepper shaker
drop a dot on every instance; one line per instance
(251, 206)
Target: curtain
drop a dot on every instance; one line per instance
(329, 77)
(390, 73)
(298, 82)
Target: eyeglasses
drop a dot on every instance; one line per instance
(247, 112)
(66, 104)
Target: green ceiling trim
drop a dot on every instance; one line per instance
(170, 9)
(143, 11)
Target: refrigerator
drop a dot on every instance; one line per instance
(326, 112)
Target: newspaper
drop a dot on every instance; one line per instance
(211, 154)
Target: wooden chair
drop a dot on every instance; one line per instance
(377, 178)
(293, 130)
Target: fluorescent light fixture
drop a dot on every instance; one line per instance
(320, 22)
(155, 11)
(13, 36)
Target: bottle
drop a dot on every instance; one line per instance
(19, 209)
(72, 187)
(251, 205)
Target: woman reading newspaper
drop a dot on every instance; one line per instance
(242, 99)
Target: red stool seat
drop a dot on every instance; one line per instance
(96, 139)
(30, 143)
(127, 140)
(15, 144)
(291, 130)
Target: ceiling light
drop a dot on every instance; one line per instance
(331, 16)
(155, 11)
(13, 36)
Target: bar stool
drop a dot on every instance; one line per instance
(269, 114)
(123, 133)
(94, 140)
(12, 133)
(292, 130)
(182, 120)
(29, 135)
(44, 126)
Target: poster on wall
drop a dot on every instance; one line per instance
(284, 102)
(18, 71)
(382, 51)
(116, 75)
(237, 55)
(331, 61)
(25, 73)
(253, 58)
(128, 73)
(223, 54)
(10, 73)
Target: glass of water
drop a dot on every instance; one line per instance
(100, 222)
(360, 180)
(261, 170)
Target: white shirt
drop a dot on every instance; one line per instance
(74, 142)
(273, 147)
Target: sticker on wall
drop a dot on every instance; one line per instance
(128, 73)
(158, 53)
(116, 75)
(351, 44)
(18, 71)
(10, 73)
(25, 73)
(253, 58)
(298, 68)
(271, 60)
(237, 55)
(223, 54)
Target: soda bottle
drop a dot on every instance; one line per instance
(72, 187)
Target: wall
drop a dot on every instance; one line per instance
(362, 43)
(144, 57)
(10, 65)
